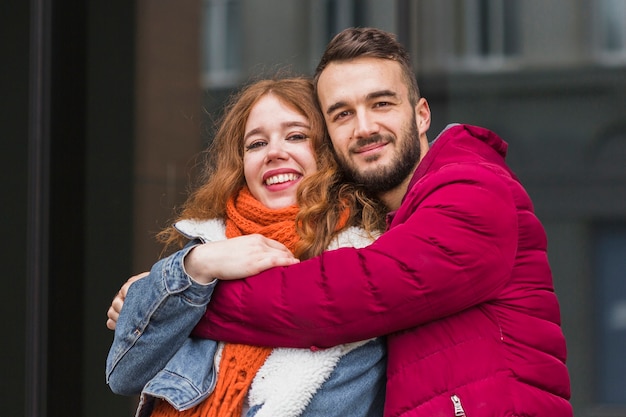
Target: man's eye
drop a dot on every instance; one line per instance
(342, 115)
(255, 145)
(382, 104)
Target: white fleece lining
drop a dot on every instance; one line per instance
(289, 378)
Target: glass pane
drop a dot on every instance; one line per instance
(612, 25)
(610, 266)
(221, 41)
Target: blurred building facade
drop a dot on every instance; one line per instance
(116, 101)
(549, 77)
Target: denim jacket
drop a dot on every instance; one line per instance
(152, 352)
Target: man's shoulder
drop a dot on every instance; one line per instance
(466, 136)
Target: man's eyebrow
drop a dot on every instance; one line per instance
(371, 96)
(382, 93)
(335, 106)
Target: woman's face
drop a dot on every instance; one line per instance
(277, 152)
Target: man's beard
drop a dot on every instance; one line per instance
(386, 178)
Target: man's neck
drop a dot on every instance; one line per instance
(393, 198)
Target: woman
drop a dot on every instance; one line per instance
(269, 153)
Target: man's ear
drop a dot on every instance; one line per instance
(422, 116)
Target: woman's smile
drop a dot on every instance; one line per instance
(277, 152)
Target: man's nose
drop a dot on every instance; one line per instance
(365, 126)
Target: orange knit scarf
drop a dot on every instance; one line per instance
(239, 363)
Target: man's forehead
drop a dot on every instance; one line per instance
(364, 78)
(365, 67)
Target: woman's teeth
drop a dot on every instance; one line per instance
(280, 178)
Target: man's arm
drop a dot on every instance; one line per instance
(452, 249)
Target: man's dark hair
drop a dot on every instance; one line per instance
(355, 43)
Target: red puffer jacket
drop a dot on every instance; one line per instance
(460, 282)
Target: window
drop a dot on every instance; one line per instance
(610, 31)
(486, 33)
(610, 273)
(329, 17)
(221, 43)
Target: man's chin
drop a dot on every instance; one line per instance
(373, 168)
(370, 163)
(367, 175)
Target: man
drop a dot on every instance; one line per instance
(460, 281)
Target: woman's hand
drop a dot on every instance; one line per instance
(116, 305)
(236, 258)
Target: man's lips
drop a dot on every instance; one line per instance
(370, 147)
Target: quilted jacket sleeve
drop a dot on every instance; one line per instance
(451, 245)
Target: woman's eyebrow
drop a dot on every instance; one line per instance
(294, 123)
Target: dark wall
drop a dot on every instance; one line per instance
(14, 35)
(110, 109)
(67, 145)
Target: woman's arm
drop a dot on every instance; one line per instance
(159, 312)
(234, 258)
(161, 308)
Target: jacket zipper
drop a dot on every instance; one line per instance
(458, 408)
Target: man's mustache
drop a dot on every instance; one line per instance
(363, 142)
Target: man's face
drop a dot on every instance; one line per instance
(372, 125)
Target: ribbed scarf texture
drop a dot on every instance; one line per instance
(239, 363)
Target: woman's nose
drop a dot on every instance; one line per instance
(276, 150)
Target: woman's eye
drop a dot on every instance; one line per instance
(255, 145)
(297, 137)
